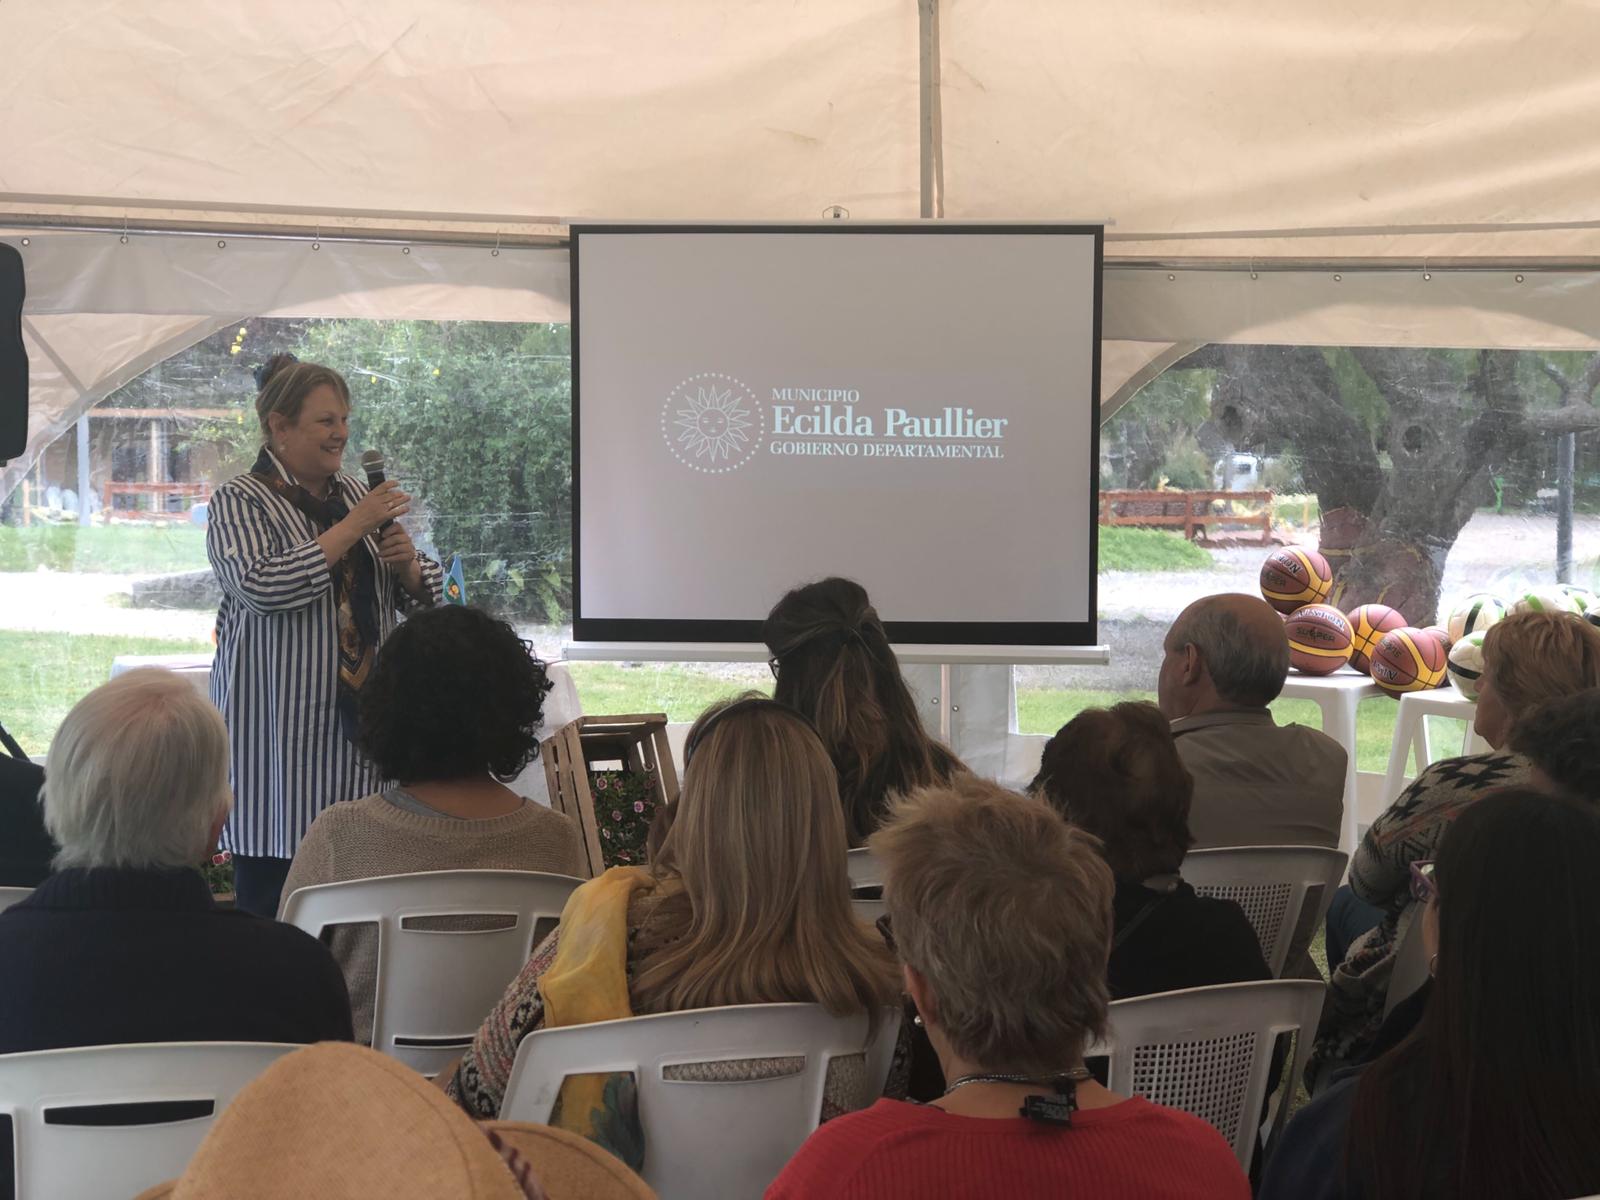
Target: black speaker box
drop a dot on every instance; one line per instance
(13, 359)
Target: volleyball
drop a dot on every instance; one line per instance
(1466, 664)
(1545, 599)
(1291, 578)
(1474, 614)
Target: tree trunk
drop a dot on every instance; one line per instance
(1386, 535)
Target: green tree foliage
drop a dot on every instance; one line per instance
(474, 419)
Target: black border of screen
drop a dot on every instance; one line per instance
(954, 633)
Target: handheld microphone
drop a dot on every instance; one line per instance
(372, 463)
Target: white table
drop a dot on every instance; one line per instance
(1338, 696)
(1411, 732)
(196, 668)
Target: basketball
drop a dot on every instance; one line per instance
(1319, 639)
(1466, 664)
(1545, 599)
(1407, 660)
(1475, 614)
(1367, 624)
(1443, 635)
(1291, 578)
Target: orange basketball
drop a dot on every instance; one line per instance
(1368, 624)
(1292, 578)
(1319, 639)
(1408, 660)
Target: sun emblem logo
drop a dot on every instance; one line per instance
(713, 423)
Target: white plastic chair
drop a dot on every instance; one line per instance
(707, 1139)
(435, 986)
(1410, 967)
(1208, 1051)
(94, 1162)
(865, 874)
(1273, 884)
(10, 895)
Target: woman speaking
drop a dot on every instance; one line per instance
(314, 568)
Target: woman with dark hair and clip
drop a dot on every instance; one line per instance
(315, 569)
(747, 902)
(832, 661)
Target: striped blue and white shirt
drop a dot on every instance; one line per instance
(276, 676)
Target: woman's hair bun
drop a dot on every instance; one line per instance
(271, 367)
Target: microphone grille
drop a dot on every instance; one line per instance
(372, 459)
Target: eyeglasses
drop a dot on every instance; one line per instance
(1423, 885)
(887, 931)
(772, 665)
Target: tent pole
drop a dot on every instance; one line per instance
(84, 505)
(931, 132)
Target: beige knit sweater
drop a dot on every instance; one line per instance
(358, 839)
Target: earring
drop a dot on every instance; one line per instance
(917, 1021)
(1432, 963)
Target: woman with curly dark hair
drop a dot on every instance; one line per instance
(453, 707)
(832, 661)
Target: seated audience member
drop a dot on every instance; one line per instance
(747, 902)
(123, 943)
(832, 661)
(1001, 914)
(1496, 1093)
(1528, 658)
(1256, 783)
(25, 845)
(343, 1121)
(1561, 741)
(1114, 772)
(453, 706)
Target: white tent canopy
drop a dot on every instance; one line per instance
(1349, 174)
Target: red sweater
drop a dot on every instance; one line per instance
(1134, 1150)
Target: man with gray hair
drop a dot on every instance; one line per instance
(122, 943)
(1256, 783)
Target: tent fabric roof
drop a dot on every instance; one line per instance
(1325, 127)
(1216, 138)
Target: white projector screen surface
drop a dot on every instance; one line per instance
(914, 408)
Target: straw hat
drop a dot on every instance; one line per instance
(342, 1122)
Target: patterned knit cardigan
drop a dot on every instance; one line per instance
(1380, 874)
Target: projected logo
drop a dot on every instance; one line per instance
(713, 423)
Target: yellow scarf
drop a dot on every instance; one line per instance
(588, 982)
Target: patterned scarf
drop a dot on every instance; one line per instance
(355, 588)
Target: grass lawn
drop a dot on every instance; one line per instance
(1045, 711)
(103, 549)
(42, 675)
(682, 692)
(1126, 548)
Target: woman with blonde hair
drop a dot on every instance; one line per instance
(1001, 913)
(832, 662)
(747, 902)
(1528, 658)
(315, 569)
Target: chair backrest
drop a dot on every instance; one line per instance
(1208, 1051)
(10, 895)
(705, 1135)
(1410, 966)
(1284, 890)
(414, 1018)
(61, 1154)
(866, 884)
